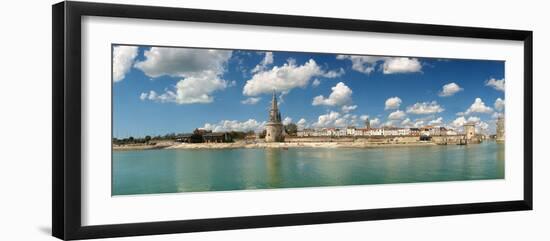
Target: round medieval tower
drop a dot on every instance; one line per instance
(274, 127)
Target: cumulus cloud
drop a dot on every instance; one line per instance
(200, 70)
(341, 94)
(392, 103)
(364, 117)
(374, 122)
(391, 65)
(460, 121)
(251, 100)
(327, 120)
(496, 84)
(499, 104)
(363, 64)
(283, 78)
(302, 124)
(425, 108)
(234, 125)
(401, 65)
(348, 108)
(450, 89)
(437, 121)
(182, 62)
(193, 89)
(407, 122)
(478, 107)
(316, 82)
(396, 115)
(266, 61)
(123, 58)
(334, 73)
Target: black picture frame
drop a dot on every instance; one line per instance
(66, 158)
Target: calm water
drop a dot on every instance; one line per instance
(167, 171)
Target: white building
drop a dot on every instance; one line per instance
(350, 130)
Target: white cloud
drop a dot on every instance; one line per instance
(437, 121)
(200, 69)
(266, 61)
(341, 94)
(406, 122)
(302, 123)
(450, 89)
(478, 107)
(375, 122)
(193, 89)
(459, 122)
(316, 83)
(392, 103)
(499, 104)
(334, 73)
(282, 78)
(182, 62)
(234, 125)
(391, 65)
(123, 58)
(496, 84)
(401, 65)
(425, 108)
(348, 108)
(327, 120)
(364, 117)
(287, 120)
(363, 64)
(397, 115)
(251, 100)
(474, 119)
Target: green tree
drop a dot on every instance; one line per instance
(291, 129)
(147, 139)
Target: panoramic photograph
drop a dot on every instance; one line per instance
(188, 119)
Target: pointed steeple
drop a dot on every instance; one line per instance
(274, 101)
(274, 115)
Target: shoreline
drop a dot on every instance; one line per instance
(263, 145)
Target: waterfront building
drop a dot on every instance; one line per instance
(469, 130)
(217, 137)
(500, 129)
(404, 131)
(350, 130)
(274, 127)
(414, 131)
(375, 132)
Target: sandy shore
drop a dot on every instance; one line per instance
(235, 145)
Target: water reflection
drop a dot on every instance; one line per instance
(162, 171)
(273, 164)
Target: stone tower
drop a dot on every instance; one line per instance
(274, 127)
(470, 130)
(500, 129)
(367, 123)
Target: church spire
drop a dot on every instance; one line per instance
(274, 102)
(274, 115)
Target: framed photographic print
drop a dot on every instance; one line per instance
(170, 120)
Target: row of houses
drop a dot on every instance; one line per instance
(384, 131)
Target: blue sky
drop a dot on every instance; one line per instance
(160, 90)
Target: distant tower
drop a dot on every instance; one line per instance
(469, 130)
(274, 127)
(500, 129)
(367, 123)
